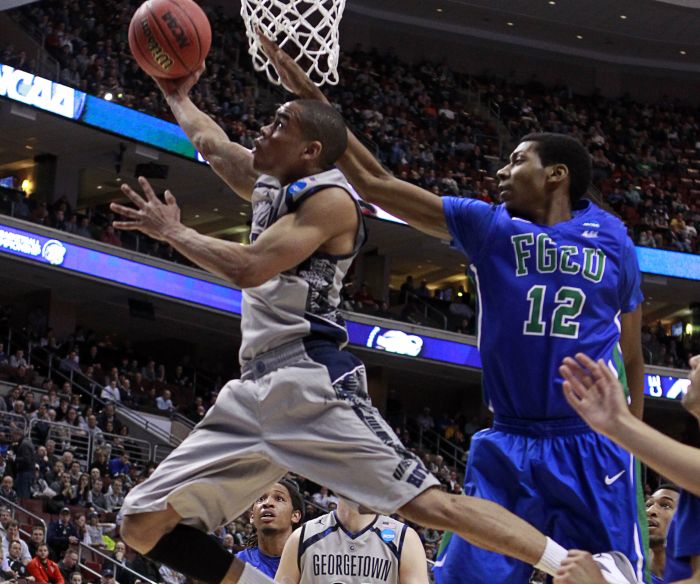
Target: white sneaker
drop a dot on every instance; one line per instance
(616, 568)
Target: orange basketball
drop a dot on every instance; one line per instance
(169, 38)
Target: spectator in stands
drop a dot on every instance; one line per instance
(61, 534)
(121, 575)
(24, 463)
(149, 371)
(5, 518)
(12, 536)
(110, 392)
(425, 420)
(68, 564)
(5, 572)
(81, 491)
(54, 475)
(364, 300)
(407, 289)
(64, 492)
(17, 360)
(70, 363)
(323, 498)
(109, 414)
(7, 490)
(229, 543)
(43, 569)
(93, 430)
(96, 529)
(100, 462)
(36, 539)
(164, 402)
(14, 563)
(115, 494)
(97, 497)
(111, 236)
(4, 360)
(119, 465)
(423, 291)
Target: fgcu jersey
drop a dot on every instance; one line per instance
(305, 299)
(683, 540)
(544, 293)
(329, 554)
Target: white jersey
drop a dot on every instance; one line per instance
(301, 302)
(329, 554)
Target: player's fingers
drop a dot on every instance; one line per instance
(148, 190)
(577, 371)
(169, 198)
(575, 389)
(586, 362)
(126, 225)
(134, 197)
(126, 211)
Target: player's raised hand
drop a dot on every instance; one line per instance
(180, 87)
(579, 568)
(292, 76)
(150, 216)
(592, 389)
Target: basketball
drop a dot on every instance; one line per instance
(169, 38)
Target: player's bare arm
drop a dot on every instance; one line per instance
(579, 568)
(231, 161)
(291, 239)
(288, 570)
(631, 343)
(414, 565)
(596, 395)
(418, 207)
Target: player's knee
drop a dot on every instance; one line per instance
(142, 531)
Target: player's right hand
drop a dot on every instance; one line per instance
(292, 76)
(594, 392)
(179, 87)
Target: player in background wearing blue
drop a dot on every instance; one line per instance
(661, 507)
(555, 275)
(275, 514)
(594, 392)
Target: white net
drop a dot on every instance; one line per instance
(306, 29)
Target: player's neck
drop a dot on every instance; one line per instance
(353, 521)
(556, 210)
(657, 559)
(273, 544)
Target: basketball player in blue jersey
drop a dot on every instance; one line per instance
(302, 402)
(594, 392)
(275, 514)
(661, 506)
(555, 274)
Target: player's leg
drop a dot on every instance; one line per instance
(207, 481)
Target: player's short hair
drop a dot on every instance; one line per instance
(555, 148)
(295, 495)
(321, 121)
(668, 487)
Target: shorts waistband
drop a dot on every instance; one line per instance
(273, 359)
(529, 427)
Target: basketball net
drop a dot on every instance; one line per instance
(306, 29)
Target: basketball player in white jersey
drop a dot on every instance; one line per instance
(345, 546)
(302, 401)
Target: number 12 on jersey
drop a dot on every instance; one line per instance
(563, 323)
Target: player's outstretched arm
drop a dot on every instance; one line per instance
(592, 389)
(289, 241)
(414, 565)
(417, 207)
(288, 570)
(231, 161)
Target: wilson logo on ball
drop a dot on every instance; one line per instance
(176, 29)
(159, 55)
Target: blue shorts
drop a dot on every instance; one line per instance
(574, 485)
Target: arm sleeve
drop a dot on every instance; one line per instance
(630, 278)
(469, 222)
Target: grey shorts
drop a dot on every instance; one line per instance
(299, 408)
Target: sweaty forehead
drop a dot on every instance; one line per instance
(665, 494)
(526, 148)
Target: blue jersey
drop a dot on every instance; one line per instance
(544, 293)
(683, 540)
(266, 564)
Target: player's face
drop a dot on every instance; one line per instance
(522, 181)
(273, 510)
(660, 509)
(280, 147)
(691, 400)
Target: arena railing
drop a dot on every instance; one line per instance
(89, 555)
(26, 514)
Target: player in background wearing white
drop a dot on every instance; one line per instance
(594, 392)
(348, 546)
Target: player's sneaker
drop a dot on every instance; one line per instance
(616, 568)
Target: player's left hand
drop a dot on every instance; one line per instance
(578, 568)
(150, 217)
(592, 389)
